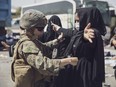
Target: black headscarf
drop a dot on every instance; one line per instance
(91, 15)
(51, 34)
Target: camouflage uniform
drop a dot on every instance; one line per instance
(34, 57)
(28, 57)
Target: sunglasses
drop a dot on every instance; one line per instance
(40, 28)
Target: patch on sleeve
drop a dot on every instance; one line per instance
(29, 47)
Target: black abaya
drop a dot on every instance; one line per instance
(50, 34)
(89, 71)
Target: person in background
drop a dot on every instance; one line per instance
(113, 43)
(30, 54)
(9, 40)
(59, 49)
(50, 34)
(113, 39)
(3, 33)
(89, 71)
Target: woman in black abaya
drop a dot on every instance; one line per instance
(89, 71)
(50, 34)
(90, 68)
(59, 49)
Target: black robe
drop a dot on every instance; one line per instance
(90, 71)
(50, 34)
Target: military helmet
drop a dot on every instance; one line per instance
(32, 18)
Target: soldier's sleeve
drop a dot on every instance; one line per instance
(35, 58)
(51, 43)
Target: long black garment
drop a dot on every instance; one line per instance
(50, 34)
(89, 71)
(94, 51)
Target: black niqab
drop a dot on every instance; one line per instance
(50, 34)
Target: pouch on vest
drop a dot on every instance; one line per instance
(15, 57)
(23, 74)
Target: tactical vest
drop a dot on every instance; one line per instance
(23, 74)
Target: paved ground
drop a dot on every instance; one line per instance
(109, 63)
(5, 63)
(110, 80)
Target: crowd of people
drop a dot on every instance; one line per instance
(60, 57)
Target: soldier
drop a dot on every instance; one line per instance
(32, 66)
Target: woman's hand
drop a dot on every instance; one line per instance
(89, 33)
(55, 27)
(60, 38)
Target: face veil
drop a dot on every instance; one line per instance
(51, 33)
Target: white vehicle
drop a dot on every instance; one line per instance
(15, 21)
(65, 9)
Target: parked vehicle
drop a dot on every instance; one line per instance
(15, 21)
(65, 9)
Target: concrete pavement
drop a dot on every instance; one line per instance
(5, 72)
(5, 78)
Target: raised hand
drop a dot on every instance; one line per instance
(55, 27)
(89, 33)
(60, 38)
